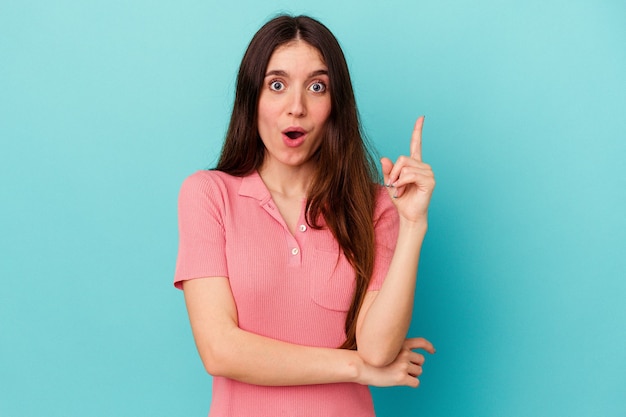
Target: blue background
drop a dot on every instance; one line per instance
(105, 106)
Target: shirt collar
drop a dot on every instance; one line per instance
(253, 186)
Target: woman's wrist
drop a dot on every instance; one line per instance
(420, 222)
(361, 372)
(414, 227)
(355, 366)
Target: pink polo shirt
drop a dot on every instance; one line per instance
(291, 287)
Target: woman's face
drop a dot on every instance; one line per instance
(294, 105)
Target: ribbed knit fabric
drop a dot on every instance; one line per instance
(294, 288)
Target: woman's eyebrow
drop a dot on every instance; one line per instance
(281, 73)
(318, 72)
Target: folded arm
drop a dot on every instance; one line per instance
(228, 351)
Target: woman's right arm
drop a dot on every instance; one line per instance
(228, 351)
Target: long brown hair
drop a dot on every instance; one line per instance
(343, 190)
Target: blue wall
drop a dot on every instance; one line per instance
(105, 106)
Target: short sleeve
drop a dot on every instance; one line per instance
(201, 247)
(386, 223)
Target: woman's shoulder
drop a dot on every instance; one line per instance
(206, 177)
(384, 206)
(383, 200)
(209, 182)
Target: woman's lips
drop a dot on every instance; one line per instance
(294, 136)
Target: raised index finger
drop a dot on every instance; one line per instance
(416, 139)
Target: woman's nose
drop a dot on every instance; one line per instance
(297, 106)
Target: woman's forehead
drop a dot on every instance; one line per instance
(296, 49)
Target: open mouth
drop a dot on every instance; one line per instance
(293, 134)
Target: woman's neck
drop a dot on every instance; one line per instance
(289, 182)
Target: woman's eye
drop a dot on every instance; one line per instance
(318, 87)
(276, 86)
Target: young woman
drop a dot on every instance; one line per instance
(298, 269)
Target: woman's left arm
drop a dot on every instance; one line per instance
(385, 315)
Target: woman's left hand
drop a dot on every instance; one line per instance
(410, 181)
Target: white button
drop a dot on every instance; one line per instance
(295, 251)
(303, 227)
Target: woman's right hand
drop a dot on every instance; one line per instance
(403, 371)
